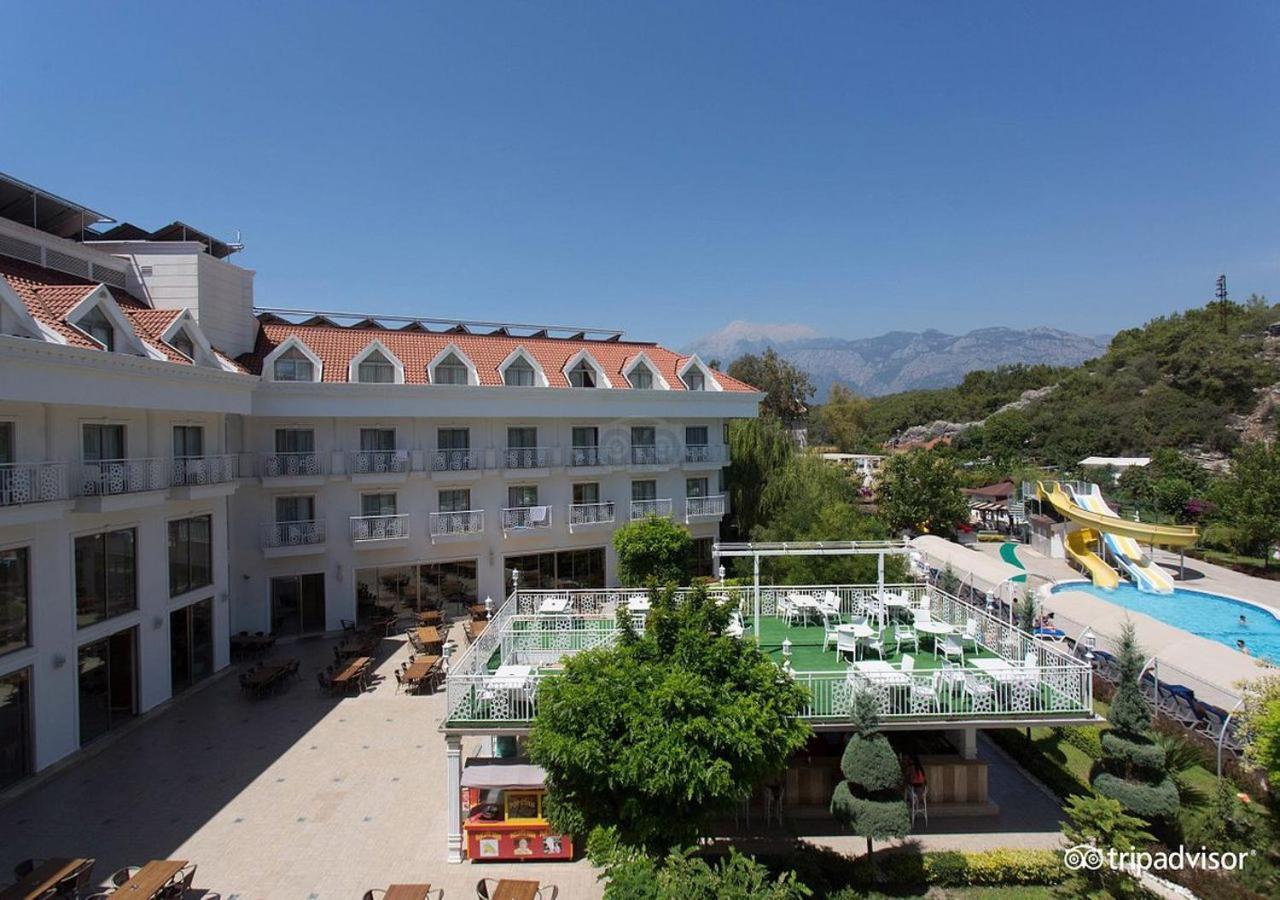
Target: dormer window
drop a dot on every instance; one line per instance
(641, 377)
(519, 374)
(450, 370)
(293, 365)
(694, 380)
(96, 324)
(376, 369)
(183, 344)
(582, 375)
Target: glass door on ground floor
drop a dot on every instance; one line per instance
(414, 587)
(15, 726)
(190, 645)
(108, 683)
(565, 569)
(297, 604)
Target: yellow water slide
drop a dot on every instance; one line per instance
(1080, 544)
(1146, 532)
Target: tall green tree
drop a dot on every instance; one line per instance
(920, 491)
(1249, 497)
(759, 450)
(841, 421)
(1103, 823)
(1132, 769)
(665, 731)
(787, 389)
(652, 548)
(869, 800)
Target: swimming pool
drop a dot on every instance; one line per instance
(1209, 615)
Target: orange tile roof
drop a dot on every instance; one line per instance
(338, 346)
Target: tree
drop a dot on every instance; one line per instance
(1260, 725)
(787, 389)
(869, 800)
(1102, 823)
(920, 491)
(1249, 497)
(1005, 436)
(1132, 769)
(759, 450)
(842, 420)
(653, 547)
(664, 731)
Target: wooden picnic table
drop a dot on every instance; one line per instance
(407, 892)
(428, 635)
(265, 675)
(151, 879)
(355, 646)
(479, 612)
(430, 617)
(419, 669)
(41, 878)
(515, 889)
(352, 669)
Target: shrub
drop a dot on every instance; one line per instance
(1087, 740)
(1138, 752)
(654, 548)
(1151, 801)
(869, 800)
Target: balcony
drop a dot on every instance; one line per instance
(526, 519)
(704, 507)
(197, 477)
(379, 531)
(642, 509)
(528, 460)
(299, 469)
(293, 538)
(112, 484)
(378, 466)
(709, 455)
(456, 465)
(28, 490)
(459, 524)
(1005, 677)
(582, 515)
(648, 455)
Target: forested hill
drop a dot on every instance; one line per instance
(1187, 381)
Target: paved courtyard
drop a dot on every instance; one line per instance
(301, 797)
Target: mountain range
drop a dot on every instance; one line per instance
(899, 360)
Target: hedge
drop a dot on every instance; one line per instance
(987, 868)
(1087, 740)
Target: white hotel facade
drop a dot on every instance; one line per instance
(177, 466)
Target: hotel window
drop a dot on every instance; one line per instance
(188, 441)
(377, 504)
(522, 495)
(15, 600)
(694, 380)
(7, 449)
(519, 374)
(450, 370)
(103, 442)
(96, 324)
(190, 645)
(641, 377)
(695, 487)
(377, 440)
(586, 492)
(376, 369)
(644, 490)
(586, 446)
(453, 439)
(15, 726)
(108, 684)
(106, 575)
(565, 569)
(522, 438)
(294, 365)
(456, 500)
(190, 554)
(295, 440)
(183, 344)
(296, 509)
(695, 436)
(582, 375)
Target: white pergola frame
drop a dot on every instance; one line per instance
(879, 549)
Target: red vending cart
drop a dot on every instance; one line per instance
(504, 820)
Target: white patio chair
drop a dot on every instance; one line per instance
(787, 610)
(924, 692)
(904, 634)
(876, 643)
(950, 647)
(830, 634)
(846, 643)
(736, 627)
(908, 663)
(981, 694)
(830, 602)
(953, 678)
(970, 633)
(921, 616)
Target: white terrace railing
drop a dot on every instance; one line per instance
(379, 528)
(698, 507)
(379, 462)
(293, 534)
(456, 460)
(468, 521)
(528, 457)
(123, 476)
(591, 513)
(291, 465)
(34, 482)
(706, 453)
(516, 518)
(197, 470)
(1029, 678)
(642, 509)
(595, 456)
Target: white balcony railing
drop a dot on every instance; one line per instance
(642, 509)
(293, 534)
(698, 507)
(455, 460)
(649, 455)
(36, 482)
(291, 465)
(586, 456)
(526, 517)
(379, 528)
(193, 470)
(379, 462)
(706, 453)
(526, 457)
(123, 476)
(467, 521)
(591, 513)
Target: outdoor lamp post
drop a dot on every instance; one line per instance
(786, 649)
(721, 574)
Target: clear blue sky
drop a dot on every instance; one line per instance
(667, 167)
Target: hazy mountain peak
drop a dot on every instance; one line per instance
(727, 342)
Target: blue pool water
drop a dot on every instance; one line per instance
(1208, 615)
